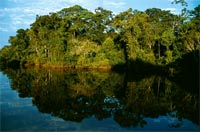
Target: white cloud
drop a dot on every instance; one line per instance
(3, 29)
(115, 4)
(172, 10)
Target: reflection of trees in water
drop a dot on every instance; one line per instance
(77, 95)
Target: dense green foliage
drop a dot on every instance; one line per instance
(77, 37)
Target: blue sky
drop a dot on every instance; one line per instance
(15, 14)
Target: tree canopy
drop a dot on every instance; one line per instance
(77, 37)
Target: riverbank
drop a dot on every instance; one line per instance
(69, 67)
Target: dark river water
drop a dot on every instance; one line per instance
(50, 100)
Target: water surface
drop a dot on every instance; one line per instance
(49, 100)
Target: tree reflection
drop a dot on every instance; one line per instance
(76, 95)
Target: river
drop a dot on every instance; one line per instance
(56, 100)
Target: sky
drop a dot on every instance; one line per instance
(16, 14)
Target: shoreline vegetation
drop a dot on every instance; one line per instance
(64, 67)
(153, 40)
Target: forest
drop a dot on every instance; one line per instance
(75, 37)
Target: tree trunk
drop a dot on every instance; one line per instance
(158, 50)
